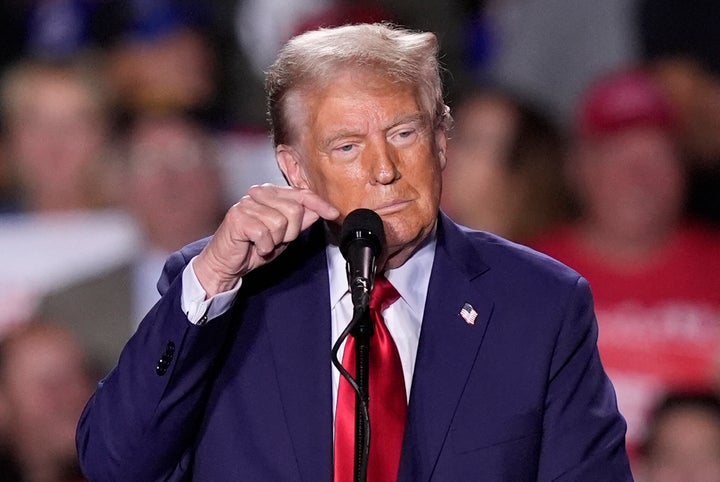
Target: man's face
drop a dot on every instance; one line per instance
(169, 158)
(45, 387)
(364, 142)
(57, 136)
(483, 191)
(632, 182)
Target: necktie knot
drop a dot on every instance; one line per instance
(383, 294)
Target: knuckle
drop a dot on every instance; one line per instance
(255, 190)
(259, 233)
(296, 210)
(240, 205)
(278, 223)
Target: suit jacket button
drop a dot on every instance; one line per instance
(164, 363)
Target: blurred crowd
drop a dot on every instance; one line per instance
(586, 130)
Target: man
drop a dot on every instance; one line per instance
(168, 155)
(654, 272)
(44, 384)
(682, 441)
(512, 154)
(56, 131)
(497, 343)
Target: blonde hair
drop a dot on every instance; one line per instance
(309, 60)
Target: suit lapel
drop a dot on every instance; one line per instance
(299, 327)
(447, 349)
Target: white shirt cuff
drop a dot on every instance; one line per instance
(192, 299)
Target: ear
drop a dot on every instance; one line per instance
(291, 166)
(441, 141)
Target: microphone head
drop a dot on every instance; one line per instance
(365, 226)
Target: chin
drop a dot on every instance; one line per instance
(401, 236)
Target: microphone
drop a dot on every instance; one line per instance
(362, 240)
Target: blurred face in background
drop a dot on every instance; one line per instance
(694, 93)
(480, 190)
(631, 183)
(56, 138)
(171, 71)
(685, 448)
(173, 185)
(44, 386)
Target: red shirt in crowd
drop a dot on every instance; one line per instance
(659, 321)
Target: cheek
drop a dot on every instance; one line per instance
(425, 181)
(669, 178)
(428, 176)
(344, 187)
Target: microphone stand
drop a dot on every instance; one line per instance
(362, 332)
(361, 328)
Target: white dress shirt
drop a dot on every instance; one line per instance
(403, 318)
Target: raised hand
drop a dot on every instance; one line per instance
(255, 231)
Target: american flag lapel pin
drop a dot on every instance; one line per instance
(468, 314)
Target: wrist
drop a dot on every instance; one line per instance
(211, 278)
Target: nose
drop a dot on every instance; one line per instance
(384, 164)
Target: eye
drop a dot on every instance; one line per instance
(346, 150)
(404, 136)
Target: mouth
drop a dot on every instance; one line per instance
(391, 207)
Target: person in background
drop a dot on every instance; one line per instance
(161, 55)
(161, 157)
(694, 92)
(679, 41)
(682, 443)
(504, 172)
(57, 120)
(486, 365)
(171, 70)
(655, 275)
(56, 134)
(167, 156)
(44, 384)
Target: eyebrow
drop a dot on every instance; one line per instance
(415, 117)
(337, 136)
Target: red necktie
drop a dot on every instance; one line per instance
(388, 402)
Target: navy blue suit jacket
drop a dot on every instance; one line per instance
(518, 395)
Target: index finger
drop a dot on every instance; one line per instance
(313, 206)
(313, 202)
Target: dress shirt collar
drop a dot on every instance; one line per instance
(411, 279)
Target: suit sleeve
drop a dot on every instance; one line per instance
(583, 431)
(141, 422)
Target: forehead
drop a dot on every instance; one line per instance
(484, 108)
(353, 96)
(635, 137)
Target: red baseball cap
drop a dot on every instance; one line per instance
(624, 99)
